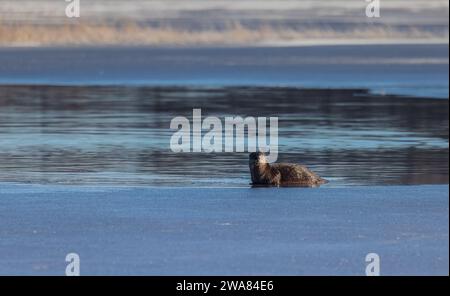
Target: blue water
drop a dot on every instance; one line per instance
(412, 70)
(58, 126)
(121, 135)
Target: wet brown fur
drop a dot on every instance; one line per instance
(281, 174)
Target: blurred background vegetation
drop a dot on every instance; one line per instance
(221, 22)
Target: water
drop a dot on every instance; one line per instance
(358, 115)
(119, 135)
(413, 70)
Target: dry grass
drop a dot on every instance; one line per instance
(235, 34)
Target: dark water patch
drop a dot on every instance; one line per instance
(120, 135)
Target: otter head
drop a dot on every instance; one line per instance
(257, 158)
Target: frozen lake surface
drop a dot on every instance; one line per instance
(82, 121)
(419, 70)
(192, 231)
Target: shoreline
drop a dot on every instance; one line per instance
(263, 44)
(102, 186)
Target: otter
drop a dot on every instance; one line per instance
(281, 174)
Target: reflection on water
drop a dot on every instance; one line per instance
(120, 135)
